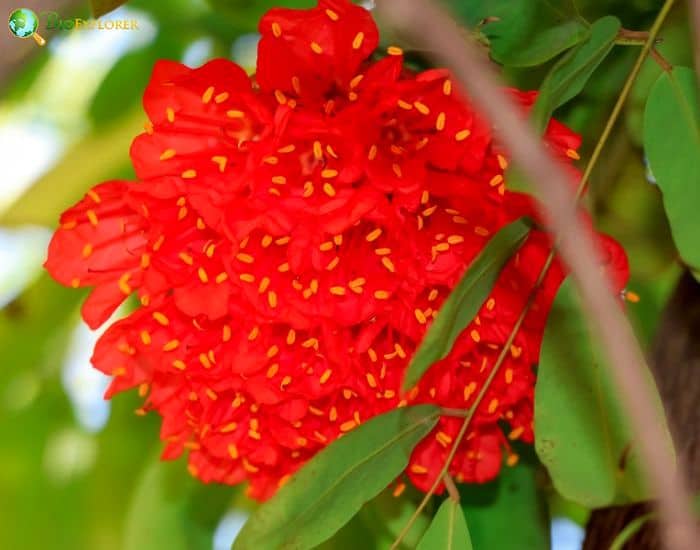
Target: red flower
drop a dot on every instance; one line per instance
(290, 239)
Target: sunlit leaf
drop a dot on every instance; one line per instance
(448, 530)
(569, 75)
(98, 157)
(332, 487)
(672, 144)
(583, 436)
(466, 299)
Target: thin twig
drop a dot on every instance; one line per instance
(451, 487)
(577, 247)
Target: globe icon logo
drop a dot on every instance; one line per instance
(24, 23)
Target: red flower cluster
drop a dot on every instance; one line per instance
(291, 237)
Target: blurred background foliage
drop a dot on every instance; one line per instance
(76, 472)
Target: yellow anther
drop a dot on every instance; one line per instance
(372, 154)
(509, 376)
(235, 113)
(171, 345)
(421, 107)
(347, 425)
(462, 135)
(207, 95)
(186, 258)
(124, 284)
(276, 29)
(418, 469)
(316, 48)
(447, 87)
(280, 97)
(394, 50)
(371, 380)
(170, 114)
(179, 364)
(475, 335)
(272, 299)
(87, 250)
(493, 405)
(357, 41)
(496, 180)
(189, 174)
(245, 258)
(382, 294)
(145, 337)
(325, 376)
(279, 180)
(333, 16)
(328, 189)
(220, 98)
(329, 173)
(220, 161)
(92, 217)
(202, 274)
(440, 122)
(387, 263)
(455, 239)
(572, 154)
(167, 154)
(373, 235)
(355, 82)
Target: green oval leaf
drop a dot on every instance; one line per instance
(448, 530)
(582, 435)
(523, 33)
(332, 487)
(672, 145)
(466, 299)
(489, 506)
(569, 75)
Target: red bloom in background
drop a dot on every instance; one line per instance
(291, 237)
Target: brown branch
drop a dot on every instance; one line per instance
(428, 22)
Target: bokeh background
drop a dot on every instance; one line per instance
(81, 473)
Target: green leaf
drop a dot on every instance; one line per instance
(569, 75)
(171, 510)
(489, 506)
(672, 145)
(523, 33)
(448, 530)
(102, 7)
(332, 487)
(466, 299)
(583, 436)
